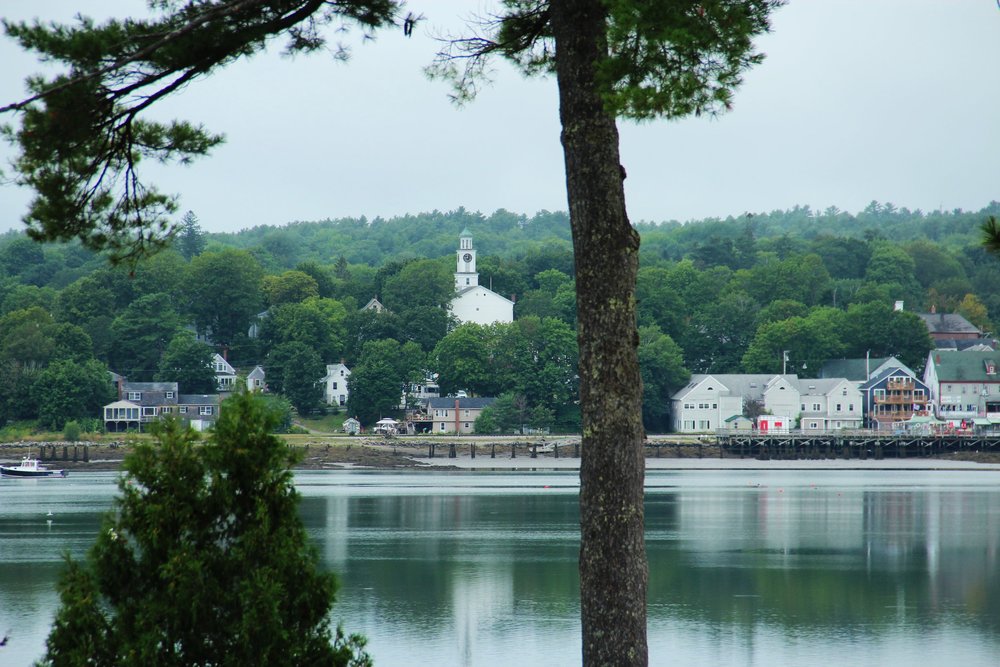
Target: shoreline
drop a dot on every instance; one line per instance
(370, 455)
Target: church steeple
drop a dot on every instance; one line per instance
(465, 270)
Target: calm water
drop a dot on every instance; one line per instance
(746, 567)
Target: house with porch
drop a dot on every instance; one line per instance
(140, 403)
(965, 388)
(894, 396)
(225, 374)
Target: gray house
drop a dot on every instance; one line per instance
(140, 403)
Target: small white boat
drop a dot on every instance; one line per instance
(30, 467)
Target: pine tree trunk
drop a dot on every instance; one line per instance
(613, 570)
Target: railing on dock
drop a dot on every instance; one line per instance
(855, 444)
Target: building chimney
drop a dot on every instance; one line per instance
(456, 416)
(933, 308)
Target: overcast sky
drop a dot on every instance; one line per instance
(893, 100)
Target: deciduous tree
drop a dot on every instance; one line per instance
(224, 293)
(188, 362)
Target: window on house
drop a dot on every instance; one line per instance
(816, 407)
(147, 412)
(183, 409)
(802, 407)
(466, 424)
(334, 385)
(170, 394)
(135, 395)
(442, 426)
(704, 425)
(838, 407)
(166, 410)
(205, 410)
(851, 407)
(688, 425)
(715, 406)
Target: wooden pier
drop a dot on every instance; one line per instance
(850, 445)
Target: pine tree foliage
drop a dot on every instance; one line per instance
(82, 133)
(203, 561)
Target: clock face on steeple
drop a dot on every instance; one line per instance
(467, 257)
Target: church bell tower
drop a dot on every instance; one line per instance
(465, 271)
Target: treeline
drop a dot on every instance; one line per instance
(721, 296)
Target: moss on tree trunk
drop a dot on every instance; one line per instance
(613, 570)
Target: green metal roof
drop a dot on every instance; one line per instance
(955, 366)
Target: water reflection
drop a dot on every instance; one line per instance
(480, 569)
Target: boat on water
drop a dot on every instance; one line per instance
(30, 467)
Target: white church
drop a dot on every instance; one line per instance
(473, 302)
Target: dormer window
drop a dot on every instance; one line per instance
(991, 367)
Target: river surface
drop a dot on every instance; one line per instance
(747, 567)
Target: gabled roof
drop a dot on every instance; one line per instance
(819, 386)
(946, 323)
(748, 386)
(488, 292)
(466, 403)
(150, 386)
(122, 404)
(152, 393)
(229, 370)
(953, 366)
(375, 305)
(256, 373)
(856, 370)
(890, 372)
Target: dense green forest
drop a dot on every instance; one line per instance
(714, 296)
